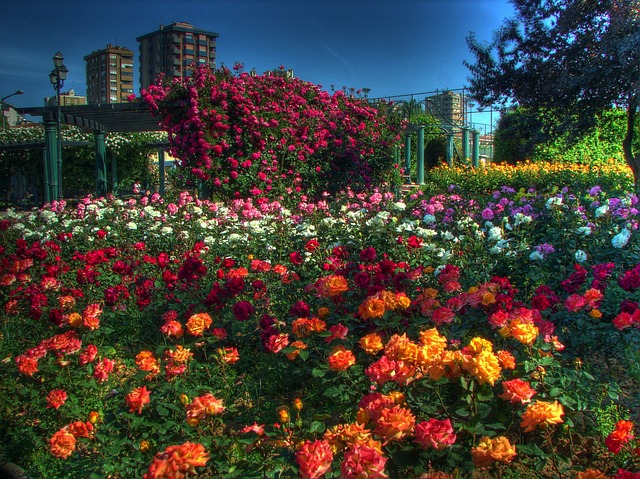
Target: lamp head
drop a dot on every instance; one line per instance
(57, 60)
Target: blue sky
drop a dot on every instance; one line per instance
(392, 47)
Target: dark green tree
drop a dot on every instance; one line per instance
(572, 58)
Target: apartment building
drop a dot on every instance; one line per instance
(174, 50)
(447, 106)
(109, 75)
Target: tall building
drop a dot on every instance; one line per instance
(109, 75)
(447, 107)
(173, 50)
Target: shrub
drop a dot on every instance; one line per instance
(244, 135)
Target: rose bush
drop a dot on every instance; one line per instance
(267, 135)
(366, 336)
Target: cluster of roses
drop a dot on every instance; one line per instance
(63, 442)
(259, 134)
(178, 462)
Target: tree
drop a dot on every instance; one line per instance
(572, 58)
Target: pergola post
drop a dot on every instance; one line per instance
(475, 160)
(421, 155)
(161, 170)
(114, 174)
(407, 157)
(50, 162)
(465, 144)
(450, 146)
(101, 164)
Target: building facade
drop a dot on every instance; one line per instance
(109, 75)
(173, 50)
(67, 98)
(447, 106)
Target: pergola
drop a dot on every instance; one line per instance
(101, 119)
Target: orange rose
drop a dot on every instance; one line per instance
(91, 316)
(433, 339)
(138, 399)
(395, 423)
(591, 474)
(74, 320)
(490, 450)
(332, 286)
(314, 459)
(484, 366)
(507, 361)
(371, 343)
(341, 359)
(203, 406)
(62, 443)
(176, 461)
(526, 333)
(197, 323)
(229, 355)
(401, 348)
(517, 391)
(371, 308)
(342, 436)
(542, 414)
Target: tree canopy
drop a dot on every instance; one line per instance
(573, 58)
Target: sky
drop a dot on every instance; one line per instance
(391, 47)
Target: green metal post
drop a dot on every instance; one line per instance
(475, 160)
(465, 144)
(50, 162)
(115, 188)
(450, 149)
(421, 155)
(161, 170)
(407, 157)
(101, 164)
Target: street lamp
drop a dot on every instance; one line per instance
(57, 77)
(17, 92)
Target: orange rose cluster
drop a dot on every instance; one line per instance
(203, 406)
(178, 462)
(63, 442)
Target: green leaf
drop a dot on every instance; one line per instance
(331, 392)
(163, 411)
(317, 427)
(463, 412)
(530, 450)
(318, 372)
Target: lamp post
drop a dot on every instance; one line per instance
(57, 77)
(17, 92)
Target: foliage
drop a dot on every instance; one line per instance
(573, 59)
(526, 134)
(267, 135)
(365, 336)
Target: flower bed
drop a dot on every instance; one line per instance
(360, 336)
